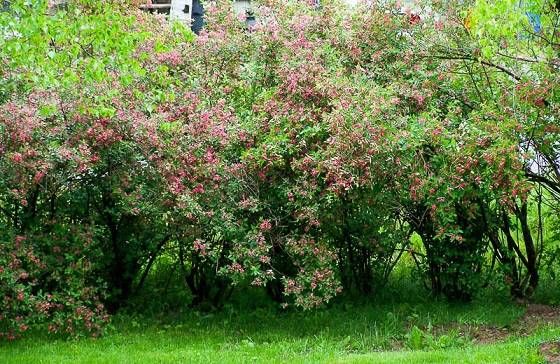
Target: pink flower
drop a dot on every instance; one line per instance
(172, 58)
(419, 99)
(199, 189)
(414, 19)
(266, 225)
(17, 158)
(257, 282)
(198, 245)
(264, 259)
(39, 176)
(237, 268)
(291, 197)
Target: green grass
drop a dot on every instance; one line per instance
(169, 348)
(519, 351)
(360, 333)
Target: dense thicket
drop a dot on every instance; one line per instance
(306, 154)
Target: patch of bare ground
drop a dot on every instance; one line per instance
(536, 315)
(479, 334)
(551, 352)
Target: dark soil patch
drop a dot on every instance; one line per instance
(490, 334)
(535, 315)
(480, 334)
(551, 352)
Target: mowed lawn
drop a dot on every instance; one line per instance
(343, 334)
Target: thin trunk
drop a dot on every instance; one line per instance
(532, 269)
(151, 262)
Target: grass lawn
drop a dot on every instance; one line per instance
(375, 333)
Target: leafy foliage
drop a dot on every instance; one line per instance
(299, 154)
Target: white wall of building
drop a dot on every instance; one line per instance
(177, 11)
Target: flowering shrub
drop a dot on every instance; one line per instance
(45, 284)
(17, 299)
(298, 154)
(76, 145)
(338, 152)
(509, 96)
